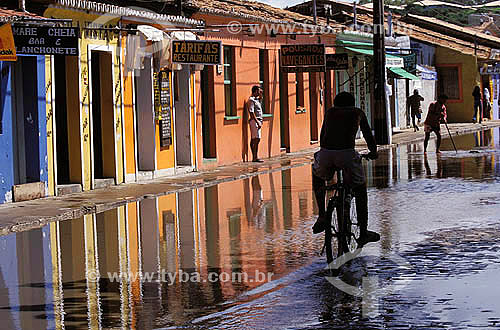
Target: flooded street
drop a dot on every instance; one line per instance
(241, 254)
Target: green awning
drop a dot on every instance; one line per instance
(368, 52)
(390, 60)
(355, 43)
(403, 73)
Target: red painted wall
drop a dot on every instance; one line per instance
(233, 136)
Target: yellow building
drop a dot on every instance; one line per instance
(95, 122)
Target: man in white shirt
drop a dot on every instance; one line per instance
(255, 120)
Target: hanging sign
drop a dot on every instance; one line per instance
(162, 96)
(410, 63)
(7, 47)
(197, 52)
(46, 40)
(337, 61)
(302, 58)
(490, 69)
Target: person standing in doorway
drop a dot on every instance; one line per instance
(436, 115)
(415, 108)
(486, 104)
(255, 121)
(477, 105)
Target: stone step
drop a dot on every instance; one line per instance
(144, 175)
(103, 183)
(28, 191)
(66, 189)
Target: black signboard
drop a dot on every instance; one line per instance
(162, 95)
(302, 58)
(197, 52)
(46, 40)
(337, 61)
(410, 63)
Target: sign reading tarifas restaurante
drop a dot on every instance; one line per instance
(197, 52)
(302, 58)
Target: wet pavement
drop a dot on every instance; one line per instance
(241, 255)
(16, 217)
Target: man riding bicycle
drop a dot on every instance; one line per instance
(337, 140)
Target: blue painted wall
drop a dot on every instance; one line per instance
(35, 124)
(6, 148)
(42, 121)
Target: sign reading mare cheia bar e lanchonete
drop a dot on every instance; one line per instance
(46, 40)
(302, 58)
(197, 52)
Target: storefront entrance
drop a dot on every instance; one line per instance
(102, 119)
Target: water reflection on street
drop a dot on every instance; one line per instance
(257, 229)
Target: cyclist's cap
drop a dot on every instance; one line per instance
(344, 99)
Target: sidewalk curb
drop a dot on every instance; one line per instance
(10, 223)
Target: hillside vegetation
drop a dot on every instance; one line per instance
(450, 14)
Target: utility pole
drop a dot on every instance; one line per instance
(381, 122)
(315, 13)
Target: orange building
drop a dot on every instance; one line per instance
(293, 103)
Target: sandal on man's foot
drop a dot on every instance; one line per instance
(369, 237)
(320, 225)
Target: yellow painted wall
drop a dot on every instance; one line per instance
(96, 39)
(165, 157)
(50, 123)
(460, 111)
(128, 117)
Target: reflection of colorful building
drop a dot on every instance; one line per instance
(236, 227)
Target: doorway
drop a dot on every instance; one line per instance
(102, 119)
(183, 143)
(284, 113)
(25, 121)
(208, 112)
(145, 125)
(313, 105)
(67, 122)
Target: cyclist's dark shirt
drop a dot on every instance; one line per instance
(340, 127)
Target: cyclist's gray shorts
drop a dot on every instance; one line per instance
(349, 160)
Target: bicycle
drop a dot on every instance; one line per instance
(342, 223)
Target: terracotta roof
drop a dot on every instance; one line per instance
(481, 37)
(9, 15)
(253, 11)
(104, 7)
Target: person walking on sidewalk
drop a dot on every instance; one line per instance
(255, 121)
(478, 109)
(337, 141)
(415, 108)
(436, 115)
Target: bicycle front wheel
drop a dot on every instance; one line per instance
(351, 220)
(348, 223)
